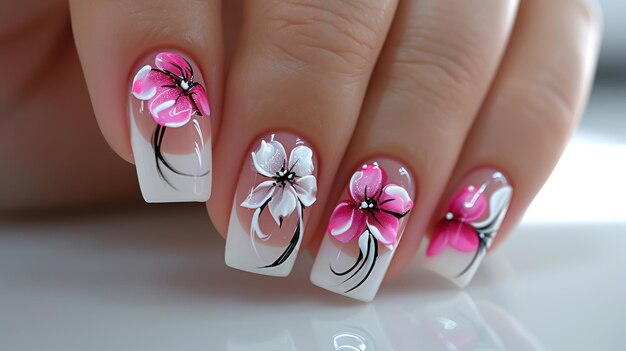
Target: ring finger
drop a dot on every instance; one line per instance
(434, 71)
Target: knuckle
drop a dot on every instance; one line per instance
(543, 102)
(439, 67)
(336, 36)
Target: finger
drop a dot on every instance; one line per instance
(434, 71)
(26, 38)
(147, 66)
(293, 95)
(523, 126)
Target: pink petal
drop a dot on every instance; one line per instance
(346, 223)
(171, 109)
(384, 227)
(147, 82)
(174, 63)
(198, 95)
(469, 204)
(460, 236)
(370, 177)
(438, 241)
(395, 199)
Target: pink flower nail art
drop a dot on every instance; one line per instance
(455, 230)
(371, 215)
(173, 97)
(467, 225)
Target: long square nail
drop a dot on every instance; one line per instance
(365, 229)
(465, 231)
(170, 129)
(277, 185)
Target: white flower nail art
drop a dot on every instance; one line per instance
(289, 186)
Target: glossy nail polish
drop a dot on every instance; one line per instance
(276, 188)
(465, 231)
(170, 129)
(365, 229)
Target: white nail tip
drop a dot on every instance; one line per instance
(193, 186)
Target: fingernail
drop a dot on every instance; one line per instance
(277, 186)
(364, 230)
(465, 231)
(170, 129)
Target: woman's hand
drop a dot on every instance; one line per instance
(341, 126)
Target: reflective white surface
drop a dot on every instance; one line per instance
(156, 279)
(144, 282)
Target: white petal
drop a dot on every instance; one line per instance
(283, 203)
(498, 204)
(306, 189)
(364, 239)
(259, 195)
(395, 190)
(301, 160)
(269, 158)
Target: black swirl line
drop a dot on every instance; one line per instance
(293, 243)
(480, 252)
(485, 235)
(157, 142)
(371, 268)
(372, 244)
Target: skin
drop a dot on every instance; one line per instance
(441, 85)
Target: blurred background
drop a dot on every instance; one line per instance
(155, 280)
(613, 57)
(597, 153)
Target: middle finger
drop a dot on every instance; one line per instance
(293, 95)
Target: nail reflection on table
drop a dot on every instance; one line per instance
(452, 322)
(349, 341)
(447, 324)
(358, 329)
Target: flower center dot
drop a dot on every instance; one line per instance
(449, 216)
(184, 85)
